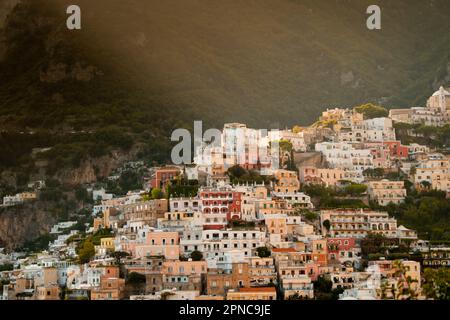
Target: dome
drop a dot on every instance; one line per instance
(441, 92)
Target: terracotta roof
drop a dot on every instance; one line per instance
(284, 250)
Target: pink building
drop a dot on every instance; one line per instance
(343, 249)
(156, 243)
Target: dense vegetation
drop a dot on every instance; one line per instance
(437, 137)
(240, 175)
(331, 198)
(39, 244)
(426, 212)
(86, 248)
(371, 111)
(323, 289)
(436, 284)
(138, 81)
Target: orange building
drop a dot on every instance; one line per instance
(110, 289)
(261, 293)
(287, 181)
(163, 176)
(48, 293)
(220, 283)
(111, 286)
(158, 243)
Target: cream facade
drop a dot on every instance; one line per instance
(385, 191)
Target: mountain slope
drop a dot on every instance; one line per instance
(147, 67)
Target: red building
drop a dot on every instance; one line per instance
(234, 208)
(214, 205)
(342, 249)
(219, 206)
(397, 150)
(162, 176)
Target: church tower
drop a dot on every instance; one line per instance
(440, 101)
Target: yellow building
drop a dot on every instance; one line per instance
(107, 243)
(276, 224)
(287, 181)
(257, 293)
(385, 191)
(28, 196)
(435, 171)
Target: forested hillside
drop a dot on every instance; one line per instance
(138, 69)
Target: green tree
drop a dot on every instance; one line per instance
(157, 193)
(327, 225)
(86, 252)
(6, 267)
(437, 283)
(129, 180)
(236, 172)
(371, 111)
(135, 278)
(310, 215)
(196, 255)
(285, 145)
(119, 255)
(323, 289)
(355, 189)
(263, 252)
(81, 194)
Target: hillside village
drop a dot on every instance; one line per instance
(343, 216)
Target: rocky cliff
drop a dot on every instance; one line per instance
(94, 168)
(29, 221)
(25, 223)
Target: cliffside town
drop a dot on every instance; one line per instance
(355, 207)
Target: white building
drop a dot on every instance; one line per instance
(358, 223)
(344, 156)
(185, 204)
(295, 199)
(436, 113)
(217, 242)
(101, 195)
